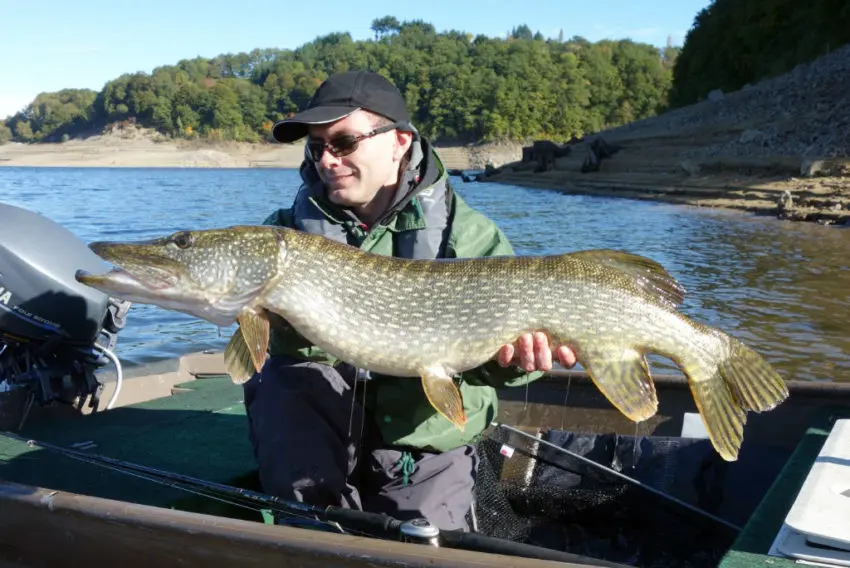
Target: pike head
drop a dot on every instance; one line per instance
(212, 274)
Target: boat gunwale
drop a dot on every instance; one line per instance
(78, 518)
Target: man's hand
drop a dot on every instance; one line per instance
(533, 353)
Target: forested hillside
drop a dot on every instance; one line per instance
(460, 88)
(736, 42)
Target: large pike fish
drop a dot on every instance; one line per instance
(435, 318)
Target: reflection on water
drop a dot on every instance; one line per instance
(781, 287)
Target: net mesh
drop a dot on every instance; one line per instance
(530, 492)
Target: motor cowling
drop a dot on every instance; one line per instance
(52, 328)
(39, 297)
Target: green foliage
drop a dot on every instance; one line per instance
(385, 25)
(5, 132)
(735, 42)
(458, 87)
(51, 115)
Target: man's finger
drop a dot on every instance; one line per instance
(505, 355)
(566, 356)
(542, 352)
(525, 345)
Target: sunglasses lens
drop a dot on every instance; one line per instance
(340, 146)
(343, 145)
(316, 149)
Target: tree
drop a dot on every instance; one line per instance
(735, 42)
(522, 32)
(5, 133)
(384, 26)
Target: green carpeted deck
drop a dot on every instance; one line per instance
(751, 547)
(201, 432)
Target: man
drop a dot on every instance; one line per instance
(323, 432)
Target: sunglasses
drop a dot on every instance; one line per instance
(345, 144)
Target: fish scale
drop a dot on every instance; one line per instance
(433, 319)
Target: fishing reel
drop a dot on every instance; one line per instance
(419, 531)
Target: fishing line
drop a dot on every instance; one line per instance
(353, 402)
(362, 419)
(566, 397)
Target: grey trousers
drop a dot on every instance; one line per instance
(305, 426)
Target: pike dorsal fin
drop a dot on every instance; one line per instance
(649, 274)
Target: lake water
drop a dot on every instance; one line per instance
(781, 287)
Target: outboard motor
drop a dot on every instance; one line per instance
(54, 332)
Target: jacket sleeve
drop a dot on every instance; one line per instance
(475, 235)
(281, 217)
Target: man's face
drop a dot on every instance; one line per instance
(354, 180)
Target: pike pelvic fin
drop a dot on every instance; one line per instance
(443, 395)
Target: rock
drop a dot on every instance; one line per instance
(825, 167)
(748, 136)
(785, 202)
(812, 168)
(715, 95)
(689, 167)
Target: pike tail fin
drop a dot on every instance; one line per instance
(742, 381)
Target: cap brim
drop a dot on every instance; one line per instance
(295, 127)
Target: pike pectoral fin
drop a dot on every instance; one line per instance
(237, 359)
(443, 395)
(245, 353)
(622, 375)
(255, 330)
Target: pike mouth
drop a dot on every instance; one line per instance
(119, 279)
(137, 268)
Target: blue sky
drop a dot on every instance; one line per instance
(50, 45)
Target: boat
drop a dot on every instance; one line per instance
(152, 466)
(185, 417)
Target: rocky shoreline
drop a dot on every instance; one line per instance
(780, 147)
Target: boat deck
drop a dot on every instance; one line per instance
(753, 543)
(201, 431)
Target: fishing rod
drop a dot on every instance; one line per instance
(419, 531)
(677, 503)
(378, 522)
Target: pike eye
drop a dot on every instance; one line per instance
(183, 240)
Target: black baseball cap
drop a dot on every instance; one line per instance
(339, 96)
